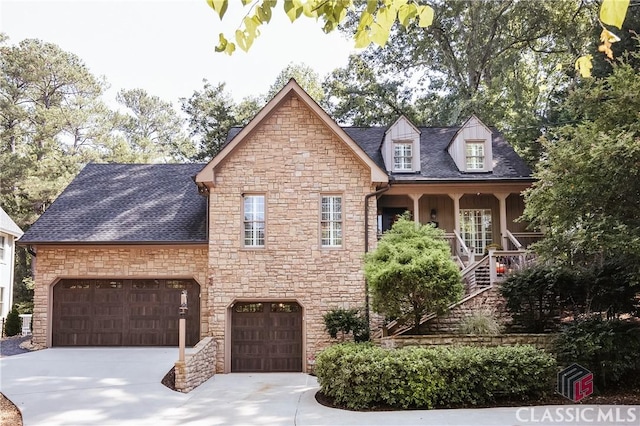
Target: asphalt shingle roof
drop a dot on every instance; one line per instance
(436, 163)
(126, 203)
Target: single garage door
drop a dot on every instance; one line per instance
(266, 337)
(116, 312)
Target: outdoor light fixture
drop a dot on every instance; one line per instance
(433, 214)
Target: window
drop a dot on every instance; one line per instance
(331, 221)
(475, 155)
(2, 249)
(254, 220)
(402, 156)
(476, 229)
(1, 301)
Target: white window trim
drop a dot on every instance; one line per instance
(411, 147)
(4, 249)
(481, 143)
(244, 222)
(331, 220)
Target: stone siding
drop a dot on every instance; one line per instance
(489, 301)
(199, 365)
(541, 341)
(54, 263)
(292, 158)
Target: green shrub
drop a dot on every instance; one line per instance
(345, 321)
(360, 376)
(609, 349)
(12, 324)
(481, 322)
(534, 296)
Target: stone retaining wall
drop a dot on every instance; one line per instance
(199, 365)
(541, 341)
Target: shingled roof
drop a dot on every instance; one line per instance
(436, 164)
(126, 203)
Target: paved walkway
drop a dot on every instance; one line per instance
(121, 386)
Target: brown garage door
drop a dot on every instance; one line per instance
(123, 312)
(266, 336)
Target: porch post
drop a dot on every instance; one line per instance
(416, 207)
(456, 210)
(502, 198)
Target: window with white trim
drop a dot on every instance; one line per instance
(331, 221)
(254, 223)
(3, 241)
(474, 154)
(403, 156)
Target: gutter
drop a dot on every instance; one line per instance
(366, 242)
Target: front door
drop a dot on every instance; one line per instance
(476, 229)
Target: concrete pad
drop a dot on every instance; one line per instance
(121, 386)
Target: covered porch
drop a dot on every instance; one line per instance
(476, 218)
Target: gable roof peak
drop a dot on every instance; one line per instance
(207, 175)
(401, 118)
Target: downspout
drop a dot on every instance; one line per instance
(366, 243)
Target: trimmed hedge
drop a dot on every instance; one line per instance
(361, 375)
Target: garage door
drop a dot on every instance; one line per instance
(123, 312)
(266, 336)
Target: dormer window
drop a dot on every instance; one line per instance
(474, 154)
(403, 156)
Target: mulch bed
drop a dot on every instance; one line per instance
(9, 413)
(621, 397)
(169, 379)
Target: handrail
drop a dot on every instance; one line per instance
(514, 240)
(465, 250)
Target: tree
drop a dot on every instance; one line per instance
(210, 113)
(411, 273)
(587, 196)
(356, 96)
(304, 75)
(374, 23)
(12, 326)
(48, 104)
(509, 79)
(152, 128)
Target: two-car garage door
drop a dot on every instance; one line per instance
(117, 312)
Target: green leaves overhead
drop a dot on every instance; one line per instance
(375, 24)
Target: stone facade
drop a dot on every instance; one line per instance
(540, 341)
(489, 301)
(199, 365)
(57, 262)
(293, 158)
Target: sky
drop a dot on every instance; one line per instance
(167, 47)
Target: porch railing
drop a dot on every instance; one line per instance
(502, 263)
(459, 248)
(522, 240)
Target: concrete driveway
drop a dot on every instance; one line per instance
(121, 386)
